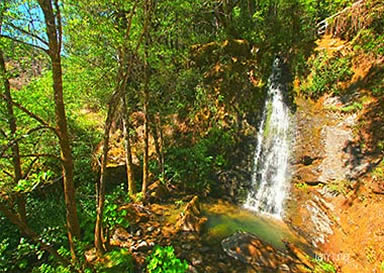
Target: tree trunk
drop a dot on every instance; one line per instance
(100, 198)
(145, 158)
(146, 97)
(128, 151)
(53, 26)
(15, 147)
(161, 139)
(157, 139)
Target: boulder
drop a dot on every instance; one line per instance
(247, 248)
(262, 257)
(301, 255)
(157, 191)
(135, 213)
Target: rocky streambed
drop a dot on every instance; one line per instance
(213, 237)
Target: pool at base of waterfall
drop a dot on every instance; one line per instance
(224, 219)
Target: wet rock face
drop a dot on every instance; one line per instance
(234, 183)
(324, 157)
(262, 257)
(328, 159)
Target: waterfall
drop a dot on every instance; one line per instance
(270, 171)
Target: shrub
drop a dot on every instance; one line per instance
(164, 260)
(327, 73)
(117, 260)
(197, 164)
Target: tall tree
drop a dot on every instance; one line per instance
(16, 162)
(125, 70)
(128, 150)
(148, 8)
(52, 16)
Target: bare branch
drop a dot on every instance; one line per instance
(28, 33)
(32, 115)
(23, 42)
(28, 170)
(6, 147)
(9, 174)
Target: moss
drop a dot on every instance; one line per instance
(378, 172)
(354, 107)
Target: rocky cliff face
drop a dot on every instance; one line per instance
(336, 198)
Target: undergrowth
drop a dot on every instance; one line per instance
(326, 74)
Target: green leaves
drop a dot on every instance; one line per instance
(327, 73)
(164, 260)
(34, 180)
(112, 215)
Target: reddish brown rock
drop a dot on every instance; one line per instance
(190, 219)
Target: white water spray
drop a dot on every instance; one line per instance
(270, 172)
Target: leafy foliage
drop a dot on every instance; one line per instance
(120, 261)
(196, 165)
(112, 215)
(327, 73)
(164, 260)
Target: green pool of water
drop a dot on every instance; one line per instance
(225, 219)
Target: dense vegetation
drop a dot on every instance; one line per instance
(167, 87)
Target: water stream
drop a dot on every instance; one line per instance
(270, 172)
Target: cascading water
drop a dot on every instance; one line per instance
(270, 172)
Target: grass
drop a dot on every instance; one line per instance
(339, 187)
(301, 186)
(327, 73)
(378, 172)
(322, 266)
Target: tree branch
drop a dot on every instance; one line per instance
(32, 115)
(29, 34)
(24, 43)
(28, 170)
(35, 155)
(130, 19)
(6, 147)
(58, 22)
(7, 173)
(3, 133)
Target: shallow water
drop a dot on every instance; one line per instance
(224, 219)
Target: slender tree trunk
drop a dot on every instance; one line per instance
(146, 98)
(15, 147)
(145, 157)
(100, 198)
(251, 8)
(161, 138)
(145, 109)
(53, 26)
(157, 138)
(22, 226)
(100, 189)
(128, 151)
